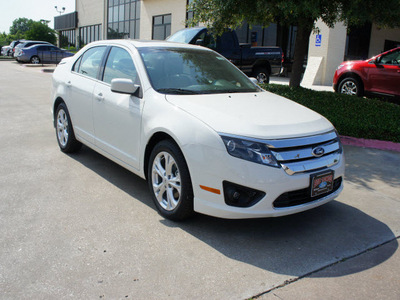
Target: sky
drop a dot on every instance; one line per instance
(31, 9)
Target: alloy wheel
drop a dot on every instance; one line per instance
(62, 128)
(35, 60)
(349, 88)
(166, 181)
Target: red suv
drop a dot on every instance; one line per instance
(378, 75)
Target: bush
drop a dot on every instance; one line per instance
(352, 116)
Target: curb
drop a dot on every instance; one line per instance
(375, 144)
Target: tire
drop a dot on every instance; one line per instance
(170, 184)
(261, 74)
(35, 60)
(350, 86)
(64, 131)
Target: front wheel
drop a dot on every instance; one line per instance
(169, 181)
(350, 86)
(64, 131)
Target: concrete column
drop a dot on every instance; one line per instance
(325, 53)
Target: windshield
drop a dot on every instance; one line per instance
(193, 71)
(184, 35)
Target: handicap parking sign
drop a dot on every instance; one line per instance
(318, 40)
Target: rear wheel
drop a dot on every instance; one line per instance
(350, 86)
(262, 75)
(64, 131)
(169, 181)
(35, 60)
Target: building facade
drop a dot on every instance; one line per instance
(157, 19)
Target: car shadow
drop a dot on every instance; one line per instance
(293, 245)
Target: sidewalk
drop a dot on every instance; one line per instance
(377, 281)
(285, 81)
(371, 185)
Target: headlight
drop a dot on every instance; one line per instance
(249, 150)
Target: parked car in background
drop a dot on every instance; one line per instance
(42, 54)
(259, 62)
(204, 135)
(5, 50)
(379, 75)
(8, 50)
(26, 44)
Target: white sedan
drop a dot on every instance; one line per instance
(204, 135)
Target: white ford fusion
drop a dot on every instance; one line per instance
(206, 138)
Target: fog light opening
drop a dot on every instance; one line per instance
(241, 196)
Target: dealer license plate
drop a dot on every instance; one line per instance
(321, 183)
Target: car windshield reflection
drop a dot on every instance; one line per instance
(192, 71)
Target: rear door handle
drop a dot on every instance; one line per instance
(69, 84)
(100, 97)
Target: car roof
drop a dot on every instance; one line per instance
(40, 45)
(43, 42)
(148, 43)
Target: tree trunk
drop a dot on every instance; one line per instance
(300, 51)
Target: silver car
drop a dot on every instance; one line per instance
(5, 50)
(42, 54)
(8, 50)
(26, 44)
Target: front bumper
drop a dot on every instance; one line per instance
(272, 181)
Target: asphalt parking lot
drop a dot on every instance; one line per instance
(79, 226)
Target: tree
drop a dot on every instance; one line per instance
(20, 26)
(222, 14)
(40, 31)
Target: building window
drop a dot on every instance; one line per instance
(123, 19)
(88, 34)
(189, 12)
(67, 38)
(161, 27)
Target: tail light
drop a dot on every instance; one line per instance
(283, 57)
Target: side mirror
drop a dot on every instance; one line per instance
(124, 86)
(199, 42)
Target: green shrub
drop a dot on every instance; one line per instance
(352, 116)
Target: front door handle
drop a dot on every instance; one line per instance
(100, 97)
(69, 84)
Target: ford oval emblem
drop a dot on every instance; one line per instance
(318, 151)
(323, 185)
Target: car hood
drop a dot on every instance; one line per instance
(260, 115)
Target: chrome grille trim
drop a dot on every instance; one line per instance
(311, 165)
(297, 155)
(303, 141)
(304, 153)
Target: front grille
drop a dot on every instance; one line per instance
(307, 154)
(303, 196)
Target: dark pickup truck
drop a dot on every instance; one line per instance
(259, 62)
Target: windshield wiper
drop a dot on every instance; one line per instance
(177, 91)
(228, 91)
